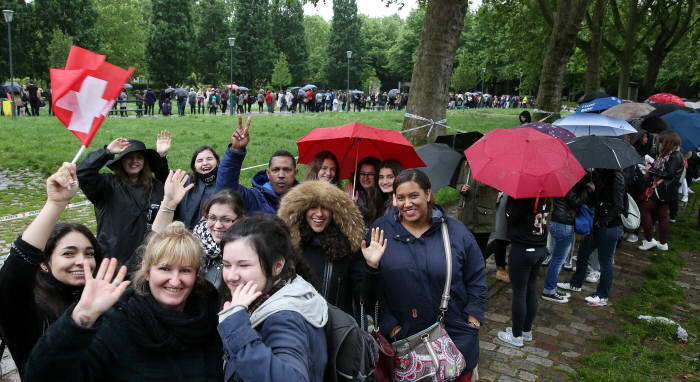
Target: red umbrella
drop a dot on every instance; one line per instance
(232, 86)
(524, 163)
(352, 142)
(666, 98)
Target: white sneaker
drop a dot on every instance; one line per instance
(632, 238)
(592, 276)
(662, 247)
(509, 339)
(596, 300)
(646, 245)
(568, 286)
(527, 336)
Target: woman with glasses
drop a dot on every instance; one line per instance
(364, 190)
(219, 213)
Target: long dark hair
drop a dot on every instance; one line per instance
(145, 176)
(229, 197)
(315, 166)
(51, 296)
(376, 203)
(199, 150)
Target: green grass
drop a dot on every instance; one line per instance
(651, 352)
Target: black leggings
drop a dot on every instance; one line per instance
(498, 247)
(482, 239)
(524, 267)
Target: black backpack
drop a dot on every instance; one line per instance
(352, 352)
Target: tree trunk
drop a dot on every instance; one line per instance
(432, 70)
(593, 53)
(562, 42)
(653, 66)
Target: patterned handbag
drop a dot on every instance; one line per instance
(431, 354)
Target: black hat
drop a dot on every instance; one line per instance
(137, 146)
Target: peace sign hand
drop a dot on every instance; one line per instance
(100, 292)
(374, 252)
(240, 138)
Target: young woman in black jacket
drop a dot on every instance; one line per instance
(43, 274)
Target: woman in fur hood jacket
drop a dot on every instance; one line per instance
(328, 230)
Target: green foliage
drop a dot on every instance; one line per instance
(121, 27)
(403, 52)
(281, 77)
(58, 48)
(316, 31)
(212, 30)
(23, 39)
(254, 53)
(169, 41)
(289, 36)
(380, 34)
(371, 82)
(464, 76)
(345, 36)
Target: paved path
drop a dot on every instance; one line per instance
(562, 332)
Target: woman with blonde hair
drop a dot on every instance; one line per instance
(164, 327)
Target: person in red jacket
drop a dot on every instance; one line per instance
(268, 101)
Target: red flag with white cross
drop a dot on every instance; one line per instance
(84, 92)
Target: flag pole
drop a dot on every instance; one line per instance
(80, 152)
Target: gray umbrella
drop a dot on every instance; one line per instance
(310, 86)
(442, 162)
(393, 92)
(168, 90)
(181, 92)
(12, 87)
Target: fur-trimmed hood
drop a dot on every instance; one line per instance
(309, 194)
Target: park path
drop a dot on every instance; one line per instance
(562, 332)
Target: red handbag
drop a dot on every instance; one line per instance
(385, 365)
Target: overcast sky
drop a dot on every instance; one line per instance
(371, 8)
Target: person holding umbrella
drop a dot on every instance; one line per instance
(477, 208)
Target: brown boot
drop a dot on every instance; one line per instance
(502, 274)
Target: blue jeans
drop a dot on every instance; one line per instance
(563, 236)
(605, 240)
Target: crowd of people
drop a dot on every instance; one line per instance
(470, 100)
(195, 275)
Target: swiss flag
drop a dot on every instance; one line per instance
(84, 91)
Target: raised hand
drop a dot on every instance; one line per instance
(244, 294)
(62, 185)
(240, 138)
(100, 292)
(174, 188)
(118, 145)
(163, 143)
(374, 252)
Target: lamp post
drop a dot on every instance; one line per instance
(520, 84)
(8, 18)
(231, 41)
(483, 74)
(347, 96)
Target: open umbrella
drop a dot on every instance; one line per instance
(232, 86)
(524, 163)
(546, 128)
(243, 88)
(355, 91)
(294, 88)
(629, 110)
(169, 90)
(310, 87)
(591, 96)
(669, 108)
(687, 125)
(441, 162)
(598, 104)
(692, 105)
(666, 98)
(181, 92)
(461, 141)
(394, 92)
(594, 124)
(12, 87)
(128, 86)
(604, 152)
(353, 142)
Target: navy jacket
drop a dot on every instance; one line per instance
(189, 211)
(413, 276)
(261, 197)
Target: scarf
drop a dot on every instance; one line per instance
(212, 250)
(660, 162)
(164, 330)
(209, 178)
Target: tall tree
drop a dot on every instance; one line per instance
(23, 38)
(289, 36)
(380, 34)
(317, 32)
(169, 41)
(562, 42)
(430, 80)
(254, 54)
(281, 77)
(345, 35)
(59, 47)
(75, 18)
(403, 53)
(212, 30)
(124, 44)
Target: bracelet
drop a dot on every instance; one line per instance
(167, 210)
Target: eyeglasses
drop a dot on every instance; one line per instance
(223, 220)
(368, 174)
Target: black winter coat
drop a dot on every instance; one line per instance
(124, 211)
(610, 198)
(671, 174)
(562, 207)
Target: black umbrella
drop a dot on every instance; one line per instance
(597, 151)
(181, 92)
(12, 87)
(460, 142)
(663, 109)
(591, 96)
(169, 90)
(441, 161)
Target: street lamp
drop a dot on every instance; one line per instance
(347, 96)
(231, 41)
(8, 18)
(483, 74)
(520, 84)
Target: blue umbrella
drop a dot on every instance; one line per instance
(594, 124)
(357, 91)
(599, 104)
(687, 125)
(294, 88)
(243, 88)
(310, 86)
(127, 86)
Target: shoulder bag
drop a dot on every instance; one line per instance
(431, 354)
